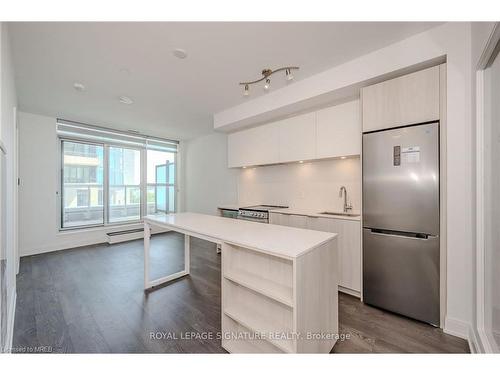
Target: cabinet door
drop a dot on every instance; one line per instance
(349, 246)
(297, 221)
(255, 146)
(275, 218)
(320, 223)
(338, 130)
(406, 100)
(350, 254)
(297, 138)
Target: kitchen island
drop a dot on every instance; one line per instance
(279, 284)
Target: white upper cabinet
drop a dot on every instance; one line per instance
(328, 133)
(255, 146)
(338, 130)
(297, 138)
(406, 100)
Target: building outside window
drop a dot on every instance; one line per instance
(82, 198)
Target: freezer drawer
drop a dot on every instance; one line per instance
(401, 179)
(401, 274)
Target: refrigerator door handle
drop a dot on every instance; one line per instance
(393, 233)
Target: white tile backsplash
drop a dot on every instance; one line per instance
(311, 185)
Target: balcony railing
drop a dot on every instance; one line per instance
(120, 208)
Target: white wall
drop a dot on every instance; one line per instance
(7, 135)
(38, 201)
(453, 41)
(313, 185)
(207, 180)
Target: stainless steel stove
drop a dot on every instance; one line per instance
(258, 214)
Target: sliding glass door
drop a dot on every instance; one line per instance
(124, 188)
(161, 185)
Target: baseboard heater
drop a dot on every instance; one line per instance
(125, 235)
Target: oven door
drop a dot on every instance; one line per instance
(254, 219)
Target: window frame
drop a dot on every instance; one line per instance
(105, 194)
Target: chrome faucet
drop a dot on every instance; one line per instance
(346, 206)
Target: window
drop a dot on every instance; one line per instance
(110, 177)
(82, 184)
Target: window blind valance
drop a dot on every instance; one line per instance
(84, 132)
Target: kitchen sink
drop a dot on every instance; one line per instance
(339, 213)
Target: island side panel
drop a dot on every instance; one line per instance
(224, 318)
(316, 285)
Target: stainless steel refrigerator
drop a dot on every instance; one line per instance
(401, 221)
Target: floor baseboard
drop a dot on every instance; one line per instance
(465, 331)
(10, 323)
(474, 342)
(351, 292)
(456, 327)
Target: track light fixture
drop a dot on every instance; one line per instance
(266, 73)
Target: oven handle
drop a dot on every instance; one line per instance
(256, 220)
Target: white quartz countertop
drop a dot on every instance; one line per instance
(277, 240)
(315, 213)
(297, 211)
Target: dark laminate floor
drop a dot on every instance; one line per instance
(373, 330)
(91, 299)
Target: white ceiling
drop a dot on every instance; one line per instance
(172, 97)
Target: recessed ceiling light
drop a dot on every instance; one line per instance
(343, 157)
(180, 53)
(125, 100)
(79, 86)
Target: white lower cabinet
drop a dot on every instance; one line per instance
(296, 221)
(349, 244)
(278, 219)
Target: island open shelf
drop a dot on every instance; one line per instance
(279, 300)
(239, 339)
(259, 314)
(263, 273)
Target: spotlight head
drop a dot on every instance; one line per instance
(268, 84)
